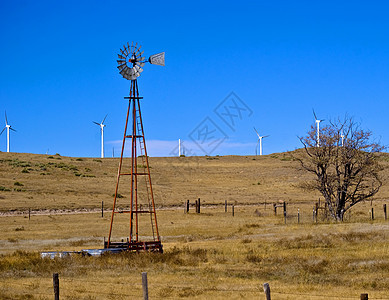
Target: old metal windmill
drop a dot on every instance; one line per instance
(141, 208)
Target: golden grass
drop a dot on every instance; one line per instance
(208, 255)
(211, 254)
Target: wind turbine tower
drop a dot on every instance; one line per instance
(259, 142)
(317, 129)
(102, 134)
(8, 127)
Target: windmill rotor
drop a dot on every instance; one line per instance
(131, 60)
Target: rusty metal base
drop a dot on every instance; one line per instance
(136, 246)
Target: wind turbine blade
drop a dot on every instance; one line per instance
(256, 131)
(314, 114)
(2, 130)
(102, 122)
(12, 129)
(6, 121)
(265, 136)
(96, 123)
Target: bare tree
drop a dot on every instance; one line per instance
(345, 164)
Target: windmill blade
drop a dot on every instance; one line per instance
(139, 56)
(138, 69)
(102, 122)
(314, 114)
(130, 71)
(125, 49)
(138, 50)
(265, 136)
(121, 57)
(121, 67)
(124, 70)
(158, 59)
(140, 64)
(96, 123)
(256, 147)
(12, 129)
(125, 54)
(6, 121)
(139, 53)
(2, 130)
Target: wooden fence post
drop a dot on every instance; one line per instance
(198, 206)
(29, 213)
(187, 206)
(145, 286)
(275, 209)
(266, 289)
(372, 214)
(225, 206)
(298, 216)
(385, 212)
(56, 286)
(233, 210)
(313, 215)
(102, 209)
(284, 211)
(364, 296)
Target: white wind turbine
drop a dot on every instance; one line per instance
(8, 127)
(259, 142)
(102, 134)
(342, 137)
(317, 129)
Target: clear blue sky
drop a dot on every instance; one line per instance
(281, 58)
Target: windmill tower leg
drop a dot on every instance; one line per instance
(141, 200)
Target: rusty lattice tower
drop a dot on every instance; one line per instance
(143, 228)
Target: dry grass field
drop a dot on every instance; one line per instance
(211, 254)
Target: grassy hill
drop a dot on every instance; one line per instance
(43, 182)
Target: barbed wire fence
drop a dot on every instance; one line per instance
(141, 290)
